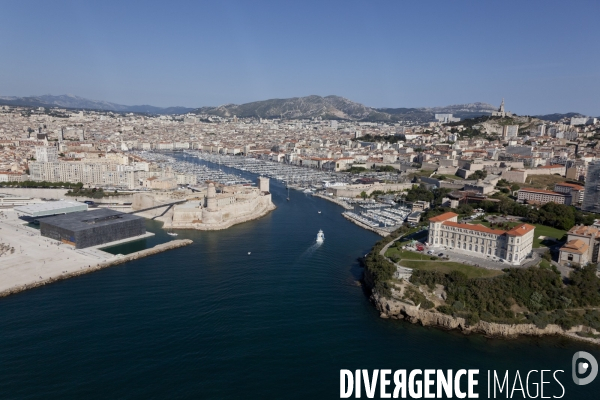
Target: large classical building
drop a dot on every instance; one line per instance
(480, 241)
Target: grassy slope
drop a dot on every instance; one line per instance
(542, 181)
(448, 266)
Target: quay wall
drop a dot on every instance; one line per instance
(56, 194)
(333, 200)
(174, 244)
(380, 232)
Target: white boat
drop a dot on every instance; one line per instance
(171, 233)
(320, 236)
(249, 252)
(319, 212)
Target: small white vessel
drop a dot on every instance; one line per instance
(171, 233)
(249, 252)
(320, 236)
(319, 212)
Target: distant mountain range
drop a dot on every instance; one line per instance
(76, 102)
(329, 107)
(557, 117)
(335, 107)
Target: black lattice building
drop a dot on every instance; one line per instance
(92, 228)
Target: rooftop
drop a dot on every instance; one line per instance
(583, 230)
(51, 208)
(521, 230)
(575, 246)
(79, 221)
(571, 185)
(542, 191)
(443, 217)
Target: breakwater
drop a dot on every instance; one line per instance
(116, 260)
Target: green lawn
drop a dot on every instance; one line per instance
(542, 230)
(448, 266)
(545, 264)
(405, 254)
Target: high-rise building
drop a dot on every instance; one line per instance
(591, 198)
(46, 154)
(542, 130)
(510, 131)
(444, 118)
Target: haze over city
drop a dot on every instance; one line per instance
(390, 54)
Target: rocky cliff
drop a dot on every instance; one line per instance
(396, 309)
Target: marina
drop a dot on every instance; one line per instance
(385, 216)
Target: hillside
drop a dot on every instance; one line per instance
(335, 107)
(328, 107)
(76, 102)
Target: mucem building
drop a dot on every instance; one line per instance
(92, 228)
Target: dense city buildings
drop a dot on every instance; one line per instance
(353, 162)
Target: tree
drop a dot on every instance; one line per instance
(363, 194)
(480, 174)
(465, 209)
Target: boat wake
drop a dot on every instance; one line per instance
(309, 252)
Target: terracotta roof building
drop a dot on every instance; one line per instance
(512, 246)
(583, 243)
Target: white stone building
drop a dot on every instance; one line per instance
(512, 246)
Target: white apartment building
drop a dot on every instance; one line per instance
(96, 174)
(512, 246)
(510, 131)
(46, 153)
(542, 196)
(187, 179)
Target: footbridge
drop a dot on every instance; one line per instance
(168, 205)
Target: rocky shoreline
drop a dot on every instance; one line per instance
(396, 309)
(114, 261)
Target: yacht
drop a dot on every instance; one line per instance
(171, 233)
(320, 236)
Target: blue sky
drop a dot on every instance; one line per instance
(541, 56)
